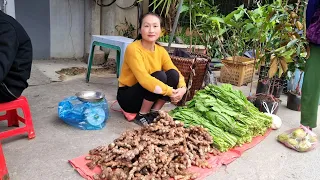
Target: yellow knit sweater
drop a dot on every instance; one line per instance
(138, 65)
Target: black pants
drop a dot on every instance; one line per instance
(130, 98)
(5, 94)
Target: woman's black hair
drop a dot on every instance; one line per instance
(139, 37)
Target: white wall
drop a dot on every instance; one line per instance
(92, 13)
(71, 28)
(10, 8)
(67, 28)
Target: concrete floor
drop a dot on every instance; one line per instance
(46, 157)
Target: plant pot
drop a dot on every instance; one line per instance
(277, 91)
(277, 87)
(259, 99)
(262, 87)
(263, 72)
(294, 102)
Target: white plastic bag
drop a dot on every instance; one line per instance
(276, 120)
(300, 139)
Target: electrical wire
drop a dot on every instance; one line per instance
(135, 3)
(104, 5)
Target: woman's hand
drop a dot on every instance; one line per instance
(178, 94)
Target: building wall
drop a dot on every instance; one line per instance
(63, 28)
(70, 34)
(34, 16)
(67, 28)
(92, 13)
(9, 7)
(113, 15)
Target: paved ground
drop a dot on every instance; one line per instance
(46, 157)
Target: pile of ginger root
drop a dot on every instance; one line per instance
(159, 151)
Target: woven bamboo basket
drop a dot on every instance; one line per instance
(237, 71)
(196, 68)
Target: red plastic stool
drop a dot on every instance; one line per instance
(13, 118)
(3, 167)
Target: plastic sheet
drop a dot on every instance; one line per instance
(216, 162)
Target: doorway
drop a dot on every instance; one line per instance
(34, 16)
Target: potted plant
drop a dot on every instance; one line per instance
(294, 95)
(274, 28)
(237, 41)
(237, 38)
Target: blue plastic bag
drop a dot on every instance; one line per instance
(293, 82)
(84, 115)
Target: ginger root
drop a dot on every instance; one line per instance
(162, 150)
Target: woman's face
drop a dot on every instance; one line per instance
(150, 28)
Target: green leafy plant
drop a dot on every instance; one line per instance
(191, 10)
(275, 32)
(183, 36)
(126, 29)
(212, 28)
(168, 9)
(238, 40)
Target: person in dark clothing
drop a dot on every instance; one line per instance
(311, 81)
(15, 58)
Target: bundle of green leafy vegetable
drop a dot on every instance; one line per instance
(230, 118)
(221, 140)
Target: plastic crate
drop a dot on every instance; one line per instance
(237, 71)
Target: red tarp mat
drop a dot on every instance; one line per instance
(128, 116)
(79, 163)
